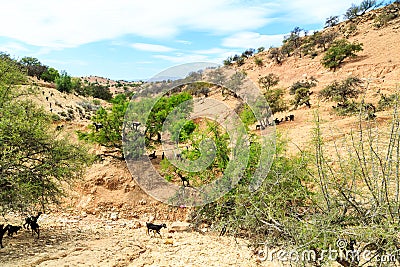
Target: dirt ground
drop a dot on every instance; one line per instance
(88, 241)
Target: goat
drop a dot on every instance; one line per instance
(2, 232)
(277, 121)
(155, 227)
(223, 230)
(291, 117)
(260, 127)
(135, 125)
(30, 219)
(153, 155)
(12, 229)
(98, 126)
(184, 179)
(35, 228)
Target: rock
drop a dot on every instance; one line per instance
(136, 225)
(169, 241)
(180, 226)
(114, 216)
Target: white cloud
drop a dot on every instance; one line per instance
(73, 23)
(214, 50)
(11, 47)
(183, 58)
(252, 40)
(152, 47)
(309, 11)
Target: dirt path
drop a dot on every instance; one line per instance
(93, 242)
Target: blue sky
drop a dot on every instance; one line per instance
(133, 40)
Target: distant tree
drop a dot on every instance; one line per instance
(338, 52)
(268, 81)
(355, 11)
(33, 66)
(76, 84)
(240, 61)
(292, 41)
(331, 21)
(260, 49)
(301, 91)
(341, 91)
(228, 61)
(248, 53)
(324, 39)
(258, 61)
(275, 54)
(275, 100)
(50, 75)
(64, 82)
(101, 91)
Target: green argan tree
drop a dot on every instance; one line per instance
(338, 52)
(34, 160)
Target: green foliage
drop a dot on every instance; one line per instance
(260, 49)
(301, 91)
(387, 101)
(247, 116)
(258, 61)
(112, 120)
(64, 82)
(33, 66)
(92, 89)
(268, 81)
(323, 39)
(34, 161)
(275, 100)
(11, 74)
(338, 52)
(383, 19)
(342, 91)
(276, 55)
(355, 11)
(50, 75)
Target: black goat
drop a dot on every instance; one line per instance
(184, 179)
(277, 121)
(291, 117)
(30, 219)
(155, 227)
(59, 127)
(223, 230)
(12, 229)
(98, 126)
(153, 155)
(2, 232)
